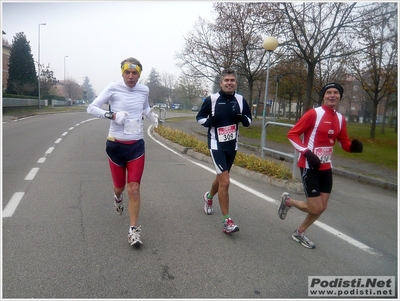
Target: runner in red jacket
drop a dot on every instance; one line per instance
(313, 136)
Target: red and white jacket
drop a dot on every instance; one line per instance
(320, 128)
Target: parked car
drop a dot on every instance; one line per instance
(195, 109)
(177, 106)
(160, 105)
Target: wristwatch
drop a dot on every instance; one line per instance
(109, 115)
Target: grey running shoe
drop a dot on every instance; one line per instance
(283, 208)
(303, 239)
(208, 204)
(119, 205)
(229, 226)
(134, 236)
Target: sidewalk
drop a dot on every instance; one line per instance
(353, 169)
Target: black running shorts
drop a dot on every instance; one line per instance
(316, 181)
(223, 160)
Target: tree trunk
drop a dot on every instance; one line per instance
(373, 126)
(307, 104)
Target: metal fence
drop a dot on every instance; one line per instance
(274, 151)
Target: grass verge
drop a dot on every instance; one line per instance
(249, 162)
(381, 151)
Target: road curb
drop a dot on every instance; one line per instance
(365, 179)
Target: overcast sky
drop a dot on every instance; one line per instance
(97, 36)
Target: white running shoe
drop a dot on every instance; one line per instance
(283, 208)
(303, 239)
(208, 204)
(229, 226)
(118, 203)
(134, 236)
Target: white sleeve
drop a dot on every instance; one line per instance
(153, 117)
(95, 107)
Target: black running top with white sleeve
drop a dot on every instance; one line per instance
(222, 113)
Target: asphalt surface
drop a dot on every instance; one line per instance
(353, 169)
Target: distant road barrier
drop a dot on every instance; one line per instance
(23, 102)
(289, 155)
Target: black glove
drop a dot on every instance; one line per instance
(356, 146)
(211, 121)
(239, 118)
(243, 119)
(313, 160)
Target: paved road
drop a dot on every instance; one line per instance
(64, 240)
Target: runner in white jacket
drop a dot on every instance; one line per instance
(128, 104)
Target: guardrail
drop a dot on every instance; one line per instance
(27, 102)
(289, 155)
(22, 102)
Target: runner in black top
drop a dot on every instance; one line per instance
(221, 113)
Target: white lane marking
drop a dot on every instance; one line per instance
(49, 150)
(13, 204)
(58, 141)
(32, 174)
(346, 238)
(323, 226)
(23, 118)
(90, 119)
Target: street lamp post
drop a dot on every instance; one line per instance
(65, 87)
(64, 67)
(269, 44)
(277, 78)
(39, 63)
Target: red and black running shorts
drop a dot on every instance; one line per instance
(126, 159)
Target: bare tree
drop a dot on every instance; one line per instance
(376, 65)
(73, 89)
(292, 83)
(205, 53)
(316, 31)
(319, 35)
(168, 81)
(248, 23)
(234, 41)
(189, 90)
(47, 80)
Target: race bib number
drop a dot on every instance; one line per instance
(226, 133)
(133, 126)
(324, 153)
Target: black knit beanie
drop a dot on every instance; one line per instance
(331, 85)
